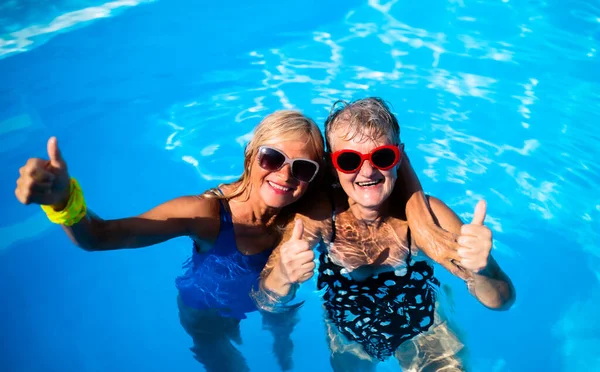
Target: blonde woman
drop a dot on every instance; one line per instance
(233, 228)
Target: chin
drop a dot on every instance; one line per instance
(373, 202)
(274, 200)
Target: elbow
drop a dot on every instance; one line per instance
(87, 245)
(500, 305)
(503, 302)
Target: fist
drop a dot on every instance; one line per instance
(296, 259)
(475, 241)
(45, 182)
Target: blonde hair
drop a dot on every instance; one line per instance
(280, 126)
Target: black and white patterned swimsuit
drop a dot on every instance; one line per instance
(383, 311)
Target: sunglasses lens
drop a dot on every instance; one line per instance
(270, 159)
(384, 158)
(303, 170)
(348, 161)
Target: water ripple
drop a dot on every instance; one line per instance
(497, 100)
(22, 39)
(499, 103)
(489, 116)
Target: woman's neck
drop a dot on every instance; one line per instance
(368, 215)
(250, 209)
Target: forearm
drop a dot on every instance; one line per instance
(433, 240)
(275, 296)
(93, 233)
(290, 263)
(492, 287)
(275, 284)
(274, 293)
(90, 232)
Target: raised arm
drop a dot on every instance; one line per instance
(439, 244)
(488, 283)
(292, 261)
(47, 182)
(183, 216)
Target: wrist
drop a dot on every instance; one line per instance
(72, 211)
(272, 302)
(64, 201)
(277, 283)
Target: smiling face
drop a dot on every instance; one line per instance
(362, 126)
(368, 187)
(279, 188)
(290, 134)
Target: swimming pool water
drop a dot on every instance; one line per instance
(154, 99)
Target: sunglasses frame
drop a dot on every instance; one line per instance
(397, 149)
(286, 160)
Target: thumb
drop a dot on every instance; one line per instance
(479, 214)
(298, 230)
(56, 159)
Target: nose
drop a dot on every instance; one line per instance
(367, 170)
(285, 173)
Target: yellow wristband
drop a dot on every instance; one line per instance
(73, 212)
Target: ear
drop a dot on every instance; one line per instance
(398, 166)
(402, 159)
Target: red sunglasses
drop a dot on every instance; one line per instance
(382, 158)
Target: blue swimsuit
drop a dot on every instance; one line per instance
(223, 277)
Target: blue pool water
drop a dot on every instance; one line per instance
(150, 100)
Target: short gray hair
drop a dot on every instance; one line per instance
(368, 117)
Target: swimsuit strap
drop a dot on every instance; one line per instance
(408, 237)
(332, 218)
(224, 213)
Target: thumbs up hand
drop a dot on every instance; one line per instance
(45, 182)
(296, 259)
(475, 241)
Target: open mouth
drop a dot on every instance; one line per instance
(369, 183)
(279, 187)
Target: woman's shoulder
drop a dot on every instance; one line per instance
(205, 212)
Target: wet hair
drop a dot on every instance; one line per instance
(367, 118)
(280, 126)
